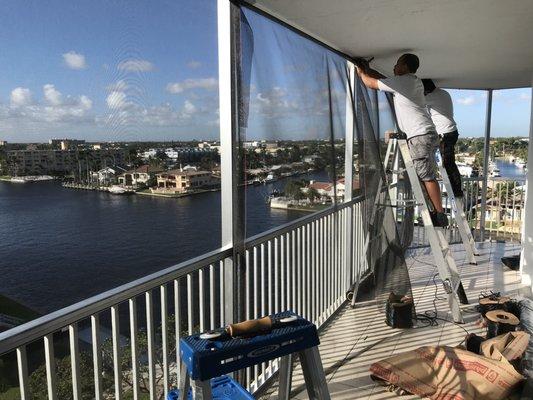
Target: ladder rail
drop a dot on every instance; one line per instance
(446, 266)
(460, 217)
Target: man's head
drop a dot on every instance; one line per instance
(407, 64)
(429, 86)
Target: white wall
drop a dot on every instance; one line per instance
(526, 259)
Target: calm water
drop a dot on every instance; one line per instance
(510, 170)
(59, 246)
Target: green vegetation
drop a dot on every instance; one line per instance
(37, 379)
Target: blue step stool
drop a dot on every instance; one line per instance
(210, 355)
(222, 388)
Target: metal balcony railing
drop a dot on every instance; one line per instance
(126, 341)
(503, 210)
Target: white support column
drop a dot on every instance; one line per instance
(226, 142)
(486, 156)
(232, 204)
(349, 172)
(526, 256)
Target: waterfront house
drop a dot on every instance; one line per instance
(140, 176)
(181, 181)
(105, 176)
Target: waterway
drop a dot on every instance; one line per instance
(59, 246)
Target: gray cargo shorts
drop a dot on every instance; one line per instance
(422, 149)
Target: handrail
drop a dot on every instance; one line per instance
(40, 327)
(52, 322)
(280, 230)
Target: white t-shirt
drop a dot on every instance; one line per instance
(409, 104)
(440, 107)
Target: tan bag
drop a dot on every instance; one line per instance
(447, 373)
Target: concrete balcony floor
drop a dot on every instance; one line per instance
(358, 337)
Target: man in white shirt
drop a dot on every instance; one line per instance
(413, 120)
(440, 107)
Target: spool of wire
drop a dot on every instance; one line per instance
(500, 322)
(492, 302)
(399, 311)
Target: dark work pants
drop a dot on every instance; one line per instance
(447, 150)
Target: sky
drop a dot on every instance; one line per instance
(136, 70)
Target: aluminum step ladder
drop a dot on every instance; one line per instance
(448, 272)
(460, 217)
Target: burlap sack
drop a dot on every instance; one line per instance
(447, 373)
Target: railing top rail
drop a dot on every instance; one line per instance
(49, 323)
(57, 320)
(280, 230)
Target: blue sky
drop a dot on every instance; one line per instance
(137, 70)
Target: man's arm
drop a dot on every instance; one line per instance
(369, 77)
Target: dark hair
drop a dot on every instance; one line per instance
(411, 61)
(429, 85)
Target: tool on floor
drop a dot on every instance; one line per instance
(398, 147)
(459, 214)
(205, 357)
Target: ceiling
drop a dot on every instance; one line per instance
(476, 44)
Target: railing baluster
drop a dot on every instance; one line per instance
(190, 304)
(248, 306)
(50, 366)
(22, 366)
(150, 343)
(269, 285)
(300, 276)
(212, 297)
(263, 294)
(75, 361)
(201, 295)
(117, 364)
(256, 300)
(221, 305)
(293, 271)
(177, 323)
(164, 338)
(134, 347)
(97, 356)
(276, 274)
(283, 305)
(309, 270)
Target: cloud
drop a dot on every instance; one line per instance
(52, 95)
(116, 100)
(201, 83)
(74, 60)
(189, 108)
(135, 65)
(194, 64)
(118, 86)
(25, 113)
(467, 101)
(20, 97)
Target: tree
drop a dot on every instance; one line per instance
(38, 383)
(293, 189)
(312, 194)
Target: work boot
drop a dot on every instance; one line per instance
(440, 220)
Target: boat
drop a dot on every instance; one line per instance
(270, 178)
(115, 189)
(18, 179)
(520, 163)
